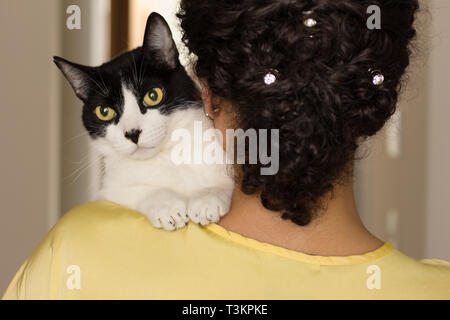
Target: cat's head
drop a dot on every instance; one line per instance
(128, 101)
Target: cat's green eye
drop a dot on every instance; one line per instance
(105, 113)
(153, 97)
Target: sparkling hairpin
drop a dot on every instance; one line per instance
(271, 77)
(309, 22)
(377, 77)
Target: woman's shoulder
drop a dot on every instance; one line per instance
(408, 277)
(445, 265)
(98, 212)
(88, 238)
(95, 223)
(99, 216)
(419, 265)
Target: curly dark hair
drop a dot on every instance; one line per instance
(324, 101)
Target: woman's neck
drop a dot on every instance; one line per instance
(336, 230)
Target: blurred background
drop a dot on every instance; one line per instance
(47, 166)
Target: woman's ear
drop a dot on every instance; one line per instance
(207, 98)
(212, 104)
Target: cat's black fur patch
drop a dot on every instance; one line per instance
(155, 64)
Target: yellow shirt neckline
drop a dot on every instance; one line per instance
(298, 256)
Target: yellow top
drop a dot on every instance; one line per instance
(101, 250)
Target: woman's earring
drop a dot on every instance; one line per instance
(216, 110)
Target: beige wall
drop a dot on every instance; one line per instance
(29, 129)
(47, 164)
(437, 224)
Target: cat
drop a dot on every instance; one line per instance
(132, 105)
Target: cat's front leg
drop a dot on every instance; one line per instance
(165, 209)
(209, 205)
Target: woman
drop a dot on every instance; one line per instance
(313, 70)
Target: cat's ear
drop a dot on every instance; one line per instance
(159, 43)
(77, 75)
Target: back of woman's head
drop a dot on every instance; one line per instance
(324, 100)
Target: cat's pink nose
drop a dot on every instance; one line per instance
(133, 135)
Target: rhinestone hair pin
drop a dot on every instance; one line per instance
(309, 22)
(271, 77)
(377, 77)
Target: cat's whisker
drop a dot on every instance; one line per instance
(85, 161)
(76, 137)
(77, 171)
(93, 88)
(106, 88)
(79, 175)
(134, 70)
(82, 169)
(82, 161)
(85, 158)
(95, 185)
(141, 73)
(103, 91)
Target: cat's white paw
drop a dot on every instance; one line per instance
(165, 209)
(209, 206)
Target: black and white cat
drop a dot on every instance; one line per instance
(132, 105)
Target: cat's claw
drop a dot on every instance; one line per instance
(209, 206)
(165, 209)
